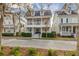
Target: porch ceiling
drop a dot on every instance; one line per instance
(69, 24)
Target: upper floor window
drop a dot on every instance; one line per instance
(67, 20)
(61, 20)
(38, 21)
(37, 13)
(29, 22)
(47, 13)
(29, 29)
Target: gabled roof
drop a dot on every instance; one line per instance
(66, 10)
(66, 13)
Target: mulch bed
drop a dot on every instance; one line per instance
(24, 51)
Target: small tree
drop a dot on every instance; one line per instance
(1, 22)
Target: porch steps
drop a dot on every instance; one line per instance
(36, 36)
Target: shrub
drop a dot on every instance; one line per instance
(7, 34)
(49, 35)
(32, 51)
(39, 54)
(49, 52)
(1, 53)
(43, 34)
(17, 33)
(26, 34)
(52, 52)
(70, 53)
(52, 34)
(15, 51)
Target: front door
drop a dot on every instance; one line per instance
(37, 33)
(74, 29)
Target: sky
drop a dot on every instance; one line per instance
(51, 6)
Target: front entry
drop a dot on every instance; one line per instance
(37, 33)
(74, 29)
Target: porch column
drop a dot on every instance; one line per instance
(50, 29)
(32, 31)
(60, 30)
(41, 28)
(41, 32)
(32, 21)
(71, 29)
(77, 30)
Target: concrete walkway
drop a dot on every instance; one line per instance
(46, 44)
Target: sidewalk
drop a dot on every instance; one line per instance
(46, 44)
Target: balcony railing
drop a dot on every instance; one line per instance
(39, 13)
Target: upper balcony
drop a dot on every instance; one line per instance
(37, 24)
(69, 24)
(69, 21)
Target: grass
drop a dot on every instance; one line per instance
(51, 38)
(71, 53)
(59, 38)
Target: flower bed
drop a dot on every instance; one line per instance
(22, 51)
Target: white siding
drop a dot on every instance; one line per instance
(71, 19)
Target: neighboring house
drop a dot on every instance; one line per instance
(66, 22)
(12, 23)
(8, 23)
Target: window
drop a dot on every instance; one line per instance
(61, 20)
(66, 29)
(29, 29)
(38, 21)
(67, 20)
(29, 22)
(9, 30)
(63, 28)
(47, 13)
(37, 13)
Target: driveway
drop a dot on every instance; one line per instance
(46, 44)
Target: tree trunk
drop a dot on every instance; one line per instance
(1, 27)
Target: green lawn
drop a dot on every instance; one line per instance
(60, 38)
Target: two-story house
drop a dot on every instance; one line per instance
(38, 22)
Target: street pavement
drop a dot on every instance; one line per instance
(37, 43)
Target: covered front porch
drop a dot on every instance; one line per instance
(68, 30)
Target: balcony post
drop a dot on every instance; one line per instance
(32, 31)
(41, 32)
(72, 29)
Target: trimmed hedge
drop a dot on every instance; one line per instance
(52, 34)
(26, 34)
(7, 34)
